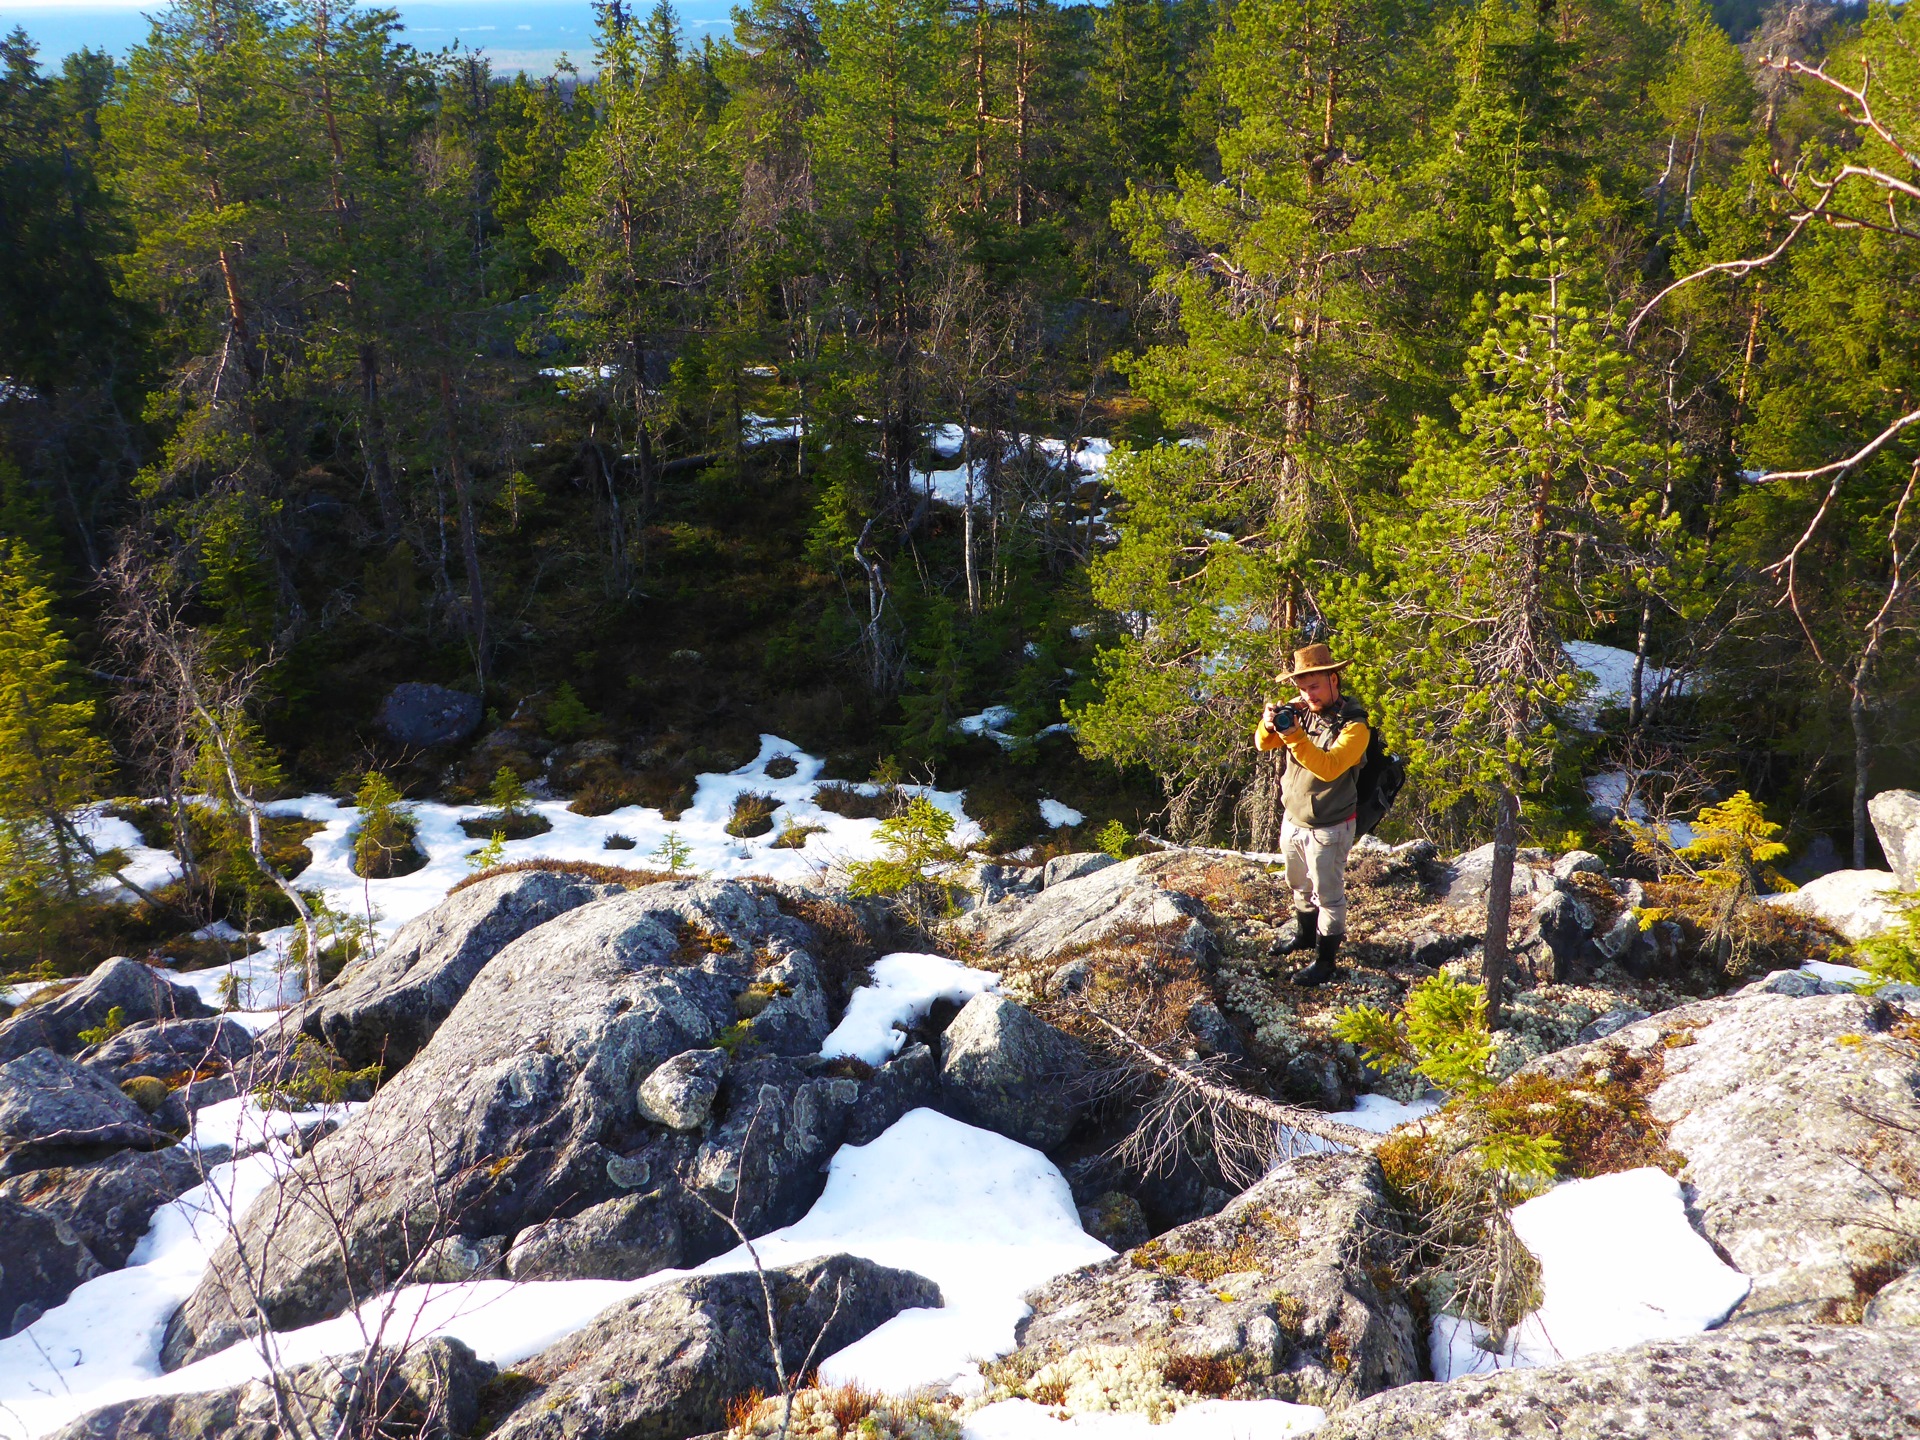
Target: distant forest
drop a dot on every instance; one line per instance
(1451, 331)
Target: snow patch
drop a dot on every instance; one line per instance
(145, 866)
(1611, 669)
(904, 988)
(1381, 1113)
(984, 1217)
(1619, 1265)
(702, 828)
(102, 1345)
(1057, 815)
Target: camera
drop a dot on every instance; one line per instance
(1286, 714)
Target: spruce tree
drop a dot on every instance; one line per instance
(52, 761)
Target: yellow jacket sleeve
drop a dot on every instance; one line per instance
(1347, 751)
(1265, 737)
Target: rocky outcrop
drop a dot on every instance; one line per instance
(1897, 1304)
(1896, 820)
(523, 1108)
(665, 1363)
(1004, 1069)
(788, 1007)
(109, 1204)
(1859, 904)
(137, 991)
(432, 1392)
(171, 1049)
(54, 1112)
(619, 1239)
(1471, 876)
(1837, 1382)
(1281, 1285)
(1062, 868)
(386, 1007)
(41, 1261)
(417, 714)
(1088, 909)
(1796, 1114)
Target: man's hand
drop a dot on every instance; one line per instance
(1279, 719)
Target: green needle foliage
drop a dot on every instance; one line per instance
(673, 852)
(384, 837)
(493, 853)
(1441, 1035)
(1893, 954)
(509, 797)
(51, 762)
(918, 852)
(1484, 574)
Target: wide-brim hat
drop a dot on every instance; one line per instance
(1313, 659)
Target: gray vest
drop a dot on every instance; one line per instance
(1310, 800)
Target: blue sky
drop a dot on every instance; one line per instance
(518, 34)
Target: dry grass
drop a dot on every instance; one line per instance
(853, 802)
(794, 837)
(844, 945)
(583, 869)
(1201, 1374)
(1870, 1277)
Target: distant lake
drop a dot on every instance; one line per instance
(515, 34)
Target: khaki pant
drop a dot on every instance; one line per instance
(1317, 870)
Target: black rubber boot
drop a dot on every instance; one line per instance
(1323, 969)
(1306, 932)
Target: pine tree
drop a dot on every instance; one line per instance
(879, 154)
(1517, 527)
(642, 219)
(1286, 271)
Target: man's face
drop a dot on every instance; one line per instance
(1320, 689)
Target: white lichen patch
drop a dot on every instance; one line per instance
(1097, 1379)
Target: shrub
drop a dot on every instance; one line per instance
(383, 840)
(489, 855)
(1114, 838)
(840, 798)
(1441, 1035)
(567, 717)
(918, 852)
(793, 836)
(619, 842)
(513, 816)
(752, 814)
(1715, 880)
(115, 1022)
(1894, 954)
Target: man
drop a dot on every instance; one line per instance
(1325, 736)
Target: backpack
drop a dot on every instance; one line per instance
(1381, 776)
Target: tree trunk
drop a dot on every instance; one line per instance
(1506, 834)
(469, 533)
(1862, 762)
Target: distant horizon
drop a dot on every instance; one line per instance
(523, 35)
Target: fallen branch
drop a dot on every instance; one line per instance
(1290, 1117)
